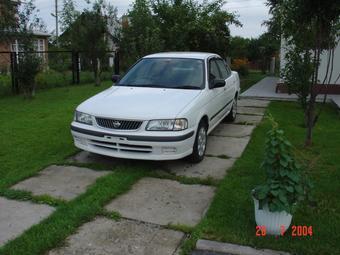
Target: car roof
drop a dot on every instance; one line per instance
(182, 54)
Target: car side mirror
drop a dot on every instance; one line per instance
(217, 83)
(115, 78)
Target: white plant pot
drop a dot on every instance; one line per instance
(274, 222)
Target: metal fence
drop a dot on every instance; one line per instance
(58, 67)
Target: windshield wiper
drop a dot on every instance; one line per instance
(186, 87)
(150, 86)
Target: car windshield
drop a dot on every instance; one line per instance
(173, 73)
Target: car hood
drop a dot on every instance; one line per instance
(138, 103)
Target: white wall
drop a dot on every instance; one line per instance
(323, 63)
(336, 66)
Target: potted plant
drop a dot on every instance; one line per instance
(285, 185)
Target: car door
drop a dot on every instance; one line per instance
(216, 95)
(230, 88)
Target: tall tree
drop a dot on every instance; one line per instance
(309, 28)
(140, 33)
(89, 32)
(68, 14)
(175, 25)
(8, 21)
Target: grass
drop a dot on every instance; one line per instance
(231, 215)
(249, 80)
(35, 134)
(51, 232)
(51, 79)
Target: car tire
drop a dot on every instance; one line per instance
(233, 111)
(200, 143)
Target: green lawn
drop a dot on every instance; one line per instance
(231, 215)
(35, 134)
(250, 79)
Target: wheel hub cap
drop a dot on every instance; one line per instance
(202, 141)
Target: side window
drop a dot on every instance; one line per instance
(214, 72)
(223, 69)
(228, 69)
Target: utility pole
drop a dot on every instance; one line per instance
(56, 18)
(56, 21)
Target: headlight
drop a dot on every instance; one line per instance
(167, 125)
(83, 118)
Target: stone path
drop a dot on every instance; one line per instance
(164, 202)
(17, 216)
(216, 248)
(105, 236)
(265, 89)
(62, 182)
(152, 206)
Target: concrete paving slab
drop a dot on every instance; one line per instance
(266, 89)
(213, 167)
(63, 182)
(226, 146)
(107, 237)
(251, 110)
(232, 130)
(163, 202)
(248, 119)
(233, 249)
(18, 216)
(253, 103)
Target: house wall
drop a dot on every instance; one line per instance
(336, 67)
(323, 63)
(5, 58)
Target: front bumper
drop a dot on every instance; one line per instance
(145, 145)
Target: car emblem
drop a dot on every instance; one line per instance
(116, 124)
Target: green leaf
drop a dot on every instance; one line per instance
(274, 192)
(289, 189)
(283, 162)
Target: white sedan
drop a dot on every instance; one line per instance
(163, 108)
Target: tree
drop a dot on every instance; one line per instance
(18, 21)
(309, 27)
(141, 35)
(88, 32)
(7, 19)
(238, 47)
(68, 14)
(178, 25)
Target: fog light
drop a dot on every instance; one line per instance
(169, 149)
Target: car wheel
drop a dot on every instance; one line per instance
(200, 144)
(233, 112)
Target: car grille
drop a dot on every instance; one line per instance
(119, 124)
(123, 147)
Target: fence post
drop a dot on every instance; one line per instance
(73, 71)
(116, 62)
(77, 67)
(14, 69)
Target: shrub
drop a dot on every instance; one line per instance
(28, 67)
(51, 78)
(241, 66)
(5, 85)
(286, 185)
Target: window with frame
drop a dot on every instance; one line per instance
(214, 72)
(39, 45)
(223, 69)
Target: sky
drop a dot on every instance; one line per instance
(251, 13)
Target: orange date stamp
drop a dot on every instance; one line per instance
(296, 230)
